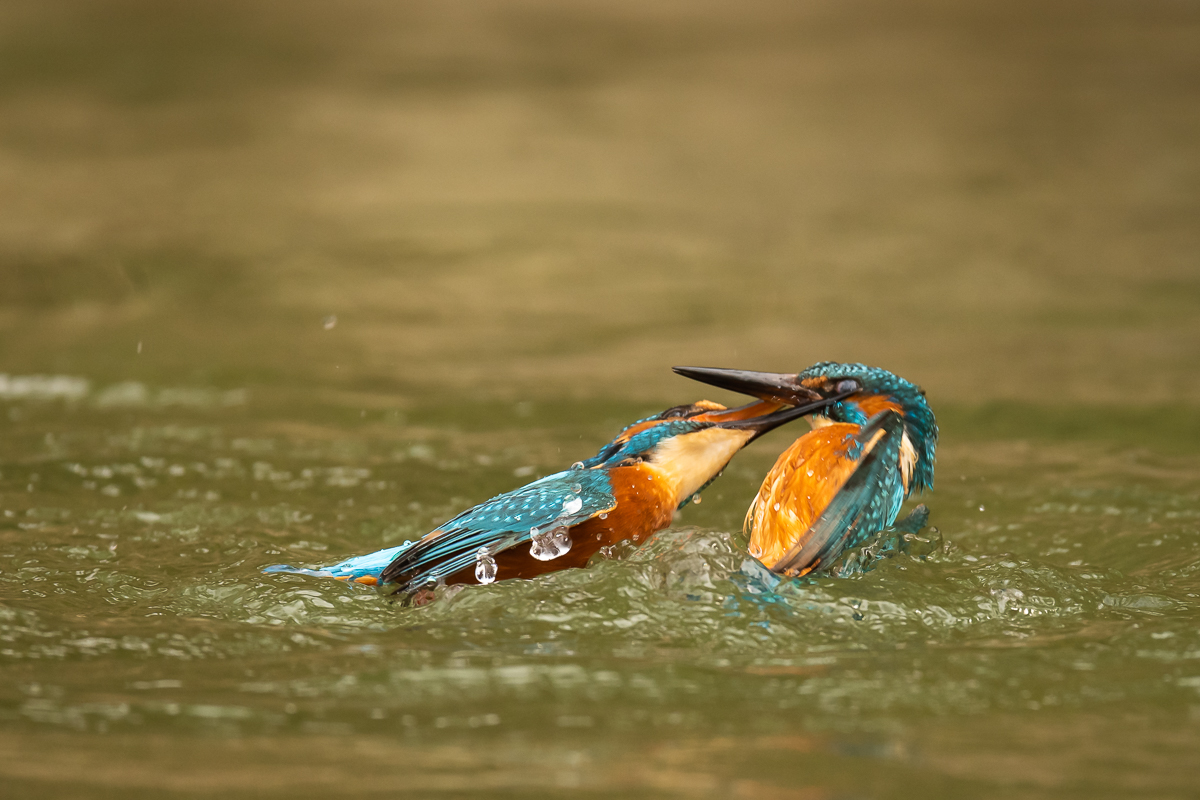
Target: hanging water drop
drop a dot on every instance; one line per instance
(696, 498)
(604, 516)
(577, 465)
(485, 566)
(572, 505)
(549, 545)
(577, 488)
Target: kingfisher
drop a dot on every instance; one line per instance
(627, 491)
(873, 443)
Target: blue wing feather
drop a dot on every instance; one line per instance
(564, 498)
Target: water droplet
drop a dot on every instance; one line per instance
(485, 566)
(577, 488)
(572, 505)
(330, 322)
(982, 508)
(934, 529)
(755, 550)
(549, 545)
(604, 516)
(577, 465)
(777, 506)
(810, 473)
(696, 498)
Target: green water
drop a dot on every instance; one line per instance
(281, 282)
(1049, 646)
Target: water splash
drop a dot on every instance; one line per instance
(550, 544)
(485, 566)
(1006, 596)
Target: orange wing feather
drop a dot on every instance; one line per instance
(711, 412)
(872, 404)
(798, 489)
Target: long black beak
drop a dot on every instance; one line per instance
(776, 386)
(769, 422)
(780, 386)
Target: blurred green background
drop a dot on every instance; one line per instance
(997, 200)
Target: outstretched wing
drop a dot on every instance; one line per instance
(562, 499)
(867, 501)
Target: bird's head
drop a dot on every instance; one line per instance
(691, 444)
(841, 393)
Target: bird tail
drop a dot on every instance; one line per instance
(360, 569)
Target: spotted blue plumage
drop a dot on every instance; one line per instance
(506, 520)
(562, 499)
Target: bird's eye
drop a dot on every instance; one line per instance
(847, 386)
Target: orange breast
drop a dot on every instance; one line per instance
(644, 507)
(872, 404)
(797, 489)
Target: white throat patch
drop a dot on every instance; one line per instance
(691, 460)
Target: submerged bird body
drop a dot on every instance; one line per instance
(628, 491)
(871, 446)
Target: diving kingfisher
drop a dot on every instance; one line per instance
(628, 491)
(873, 443)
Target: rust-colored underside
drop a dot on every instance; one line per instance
(803, 482)
(644, 505)
(801, 496)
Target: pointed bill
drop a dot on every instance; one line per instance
(780, 386)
